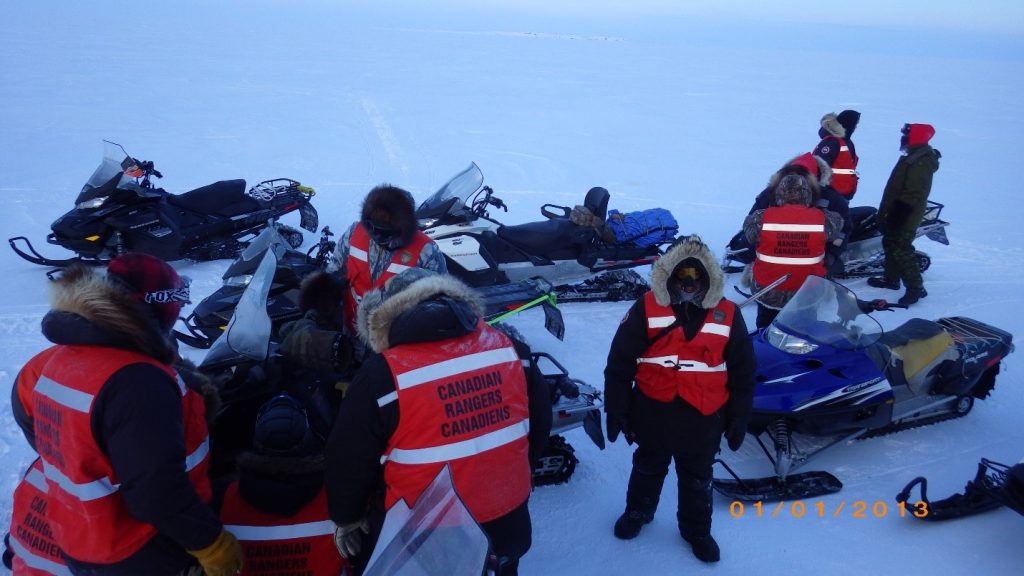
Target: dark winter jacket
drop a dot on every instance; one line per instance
(631, 339)
(429, 310)
(906, 193)
(136, 421)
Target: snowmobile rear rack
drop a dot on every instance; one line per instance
(985, 492)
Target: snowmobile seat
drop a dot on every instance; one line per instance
(547, 235)
(918, 350)
(863, 222)
(226, 198)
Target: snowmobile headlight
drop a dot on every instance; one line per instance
(427, 222)
(240, 281)
(788, 343)
(92, 203)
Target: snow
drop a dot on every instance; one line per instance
(661, 106)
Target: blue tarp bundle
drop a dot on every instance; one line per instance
(644, 228)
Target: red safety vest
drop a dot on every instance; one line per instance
(90, 520)
(844, 170)
(299, 544)
(792, 242)
(463, 403)
(695, 370)
(36, 552)
(357, 267)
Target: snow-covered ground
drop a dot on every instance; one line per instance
(686, 113)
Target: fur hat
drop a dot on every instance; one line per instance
(830, 123)
(792, 189)
(684, 248)
(382, 306)
(389, 216)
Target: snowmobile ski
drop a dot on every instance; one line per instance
(774, 489)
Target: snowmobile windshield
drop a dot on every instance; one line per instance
(453, 195)
(825, 313)
(109, 175)
(248, 331)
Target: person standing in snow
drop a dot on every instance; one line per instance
(789, 237)
(411, 410)
(904, 201)
(837, 150)
(680, 372)
(122, 440)
(385, 241)
(277, 508)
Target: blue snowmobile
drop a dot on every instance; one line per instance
(828, 373)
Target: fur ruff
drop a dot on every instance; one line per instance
(92, 295)
(830, 122)
(687, 247)
(824, 177)
(377, 313)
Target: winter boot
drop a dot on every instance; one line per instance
(629, 524)
(704, 547)
(912, 296)
(883, 282)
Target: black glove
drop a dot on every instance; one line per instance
(735, 432)
(899, 212)
(616, 423)
(348, 539)
(306, 345)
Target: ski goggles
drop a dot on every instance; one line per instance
(383, 234)
(688, 273)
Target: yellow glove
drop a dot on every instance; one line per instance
(222, 558)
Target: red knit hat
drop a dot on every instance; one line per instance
(807, 162)
(153, 282)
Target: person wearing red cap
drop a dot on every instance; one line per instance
(837, 150)
(904, 201)
(122, 440)
(819, 177)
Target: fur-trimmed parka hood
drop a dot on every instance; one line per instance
(683, 248)
(392, 205)
(380, 308)
(831, 125)
(113, 317)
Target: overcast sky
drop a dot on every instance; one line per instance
(979, 15)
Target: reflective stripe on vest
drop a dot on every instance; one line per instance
(81, 480)
(32, 539)
(300, 543)
(695, 370)
(462, 402)
(359, 274)
(792, 242)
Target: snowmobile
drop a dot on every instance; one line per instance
(863, 255)
(120, 210)
(827, 373)
(994, 485)
(210, 317)
(482, 251)
(244, 362)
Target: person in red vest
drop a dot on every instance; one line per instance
(277, 508)
(837, 149)
(385, 241)
(122, 440)
(442, 388)
(680, 373)
(790, 237)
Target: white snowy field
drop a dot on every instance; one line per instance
(684, 112)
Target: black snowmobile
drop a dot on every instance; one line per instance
(244, 362)
(483, 252)
(863, 255)
(827, 373)
(994, 485)
(120, 210)
(210, 317)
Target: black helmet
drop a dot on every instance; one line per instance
(282, 429)
(689, 282)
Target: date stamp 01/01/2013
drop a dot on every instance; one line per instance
(860, 509)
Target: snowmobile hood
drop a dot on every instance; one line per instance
(99, 300)
(379, 310)
(683, 248)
